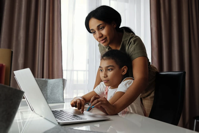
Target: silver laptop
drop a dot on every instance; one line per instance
(38, 103)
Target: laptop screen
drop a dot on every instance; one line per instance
(33, 94)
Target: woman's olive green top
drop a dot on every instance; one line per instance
(134, 47)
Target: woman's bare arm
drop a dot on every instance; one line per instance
(98, 79)
(119, 94)
(116, 96)
(140, 74)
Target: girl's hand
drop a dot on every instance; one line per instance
(78, 103)
(103, 104)
(94, 99)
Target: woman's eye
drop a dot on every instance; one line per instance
(101, 28)
(93, 32)
(100, 70)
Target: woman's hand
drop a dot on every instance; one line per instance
(78, 103)
(102, 104)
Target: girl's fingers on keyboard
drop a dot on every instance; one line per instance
(73, 103)
(82, 105)
(78, 104)
(82, 109)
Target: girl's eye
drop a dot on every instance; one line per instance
(100, 70)
(110, 69)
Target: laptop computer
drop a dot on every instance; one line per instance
(38, 103)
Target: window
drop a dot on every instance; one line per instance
(80, 50)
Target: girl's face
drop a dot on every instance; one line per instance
(104, 33)
(110, 73)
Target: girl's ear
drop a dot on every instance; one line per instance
(124, 70)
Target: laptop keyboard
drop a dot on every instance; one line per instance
(65, 116)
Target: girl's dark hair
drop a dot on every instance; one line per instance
(108, 15)
(120, 58)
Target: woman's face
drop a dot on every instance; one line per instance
(103, 32)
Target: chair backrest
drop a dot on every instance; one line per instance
(6, 59)
(2, 73)
(10, 99)
(169, 97)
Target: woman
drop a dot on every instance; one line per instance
(104, 23)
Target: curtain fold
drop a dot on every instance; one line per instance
(1, 14)
(32, 29)
(175, 47)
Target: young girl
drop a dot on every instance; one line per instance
(115, 67)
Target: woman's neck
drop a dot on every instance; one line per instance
(117, 41)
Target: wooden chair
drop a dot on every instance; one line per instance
(6, 59)
(169, 97)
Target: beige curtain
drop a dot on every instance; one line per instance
(32, 29)
(175, 47)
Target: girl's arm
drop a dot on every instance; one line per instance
(140, 74)
(79, 102)
(87, 97)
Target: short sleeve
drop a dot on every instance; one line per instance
(135, 47)
(131, 44)
(102, 49)
(124, 85)
(100, 89)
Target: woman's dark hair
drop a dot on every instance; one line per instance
(108, 15)
(120, 58)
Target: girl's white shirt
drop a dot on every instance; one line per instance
(134, 107)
